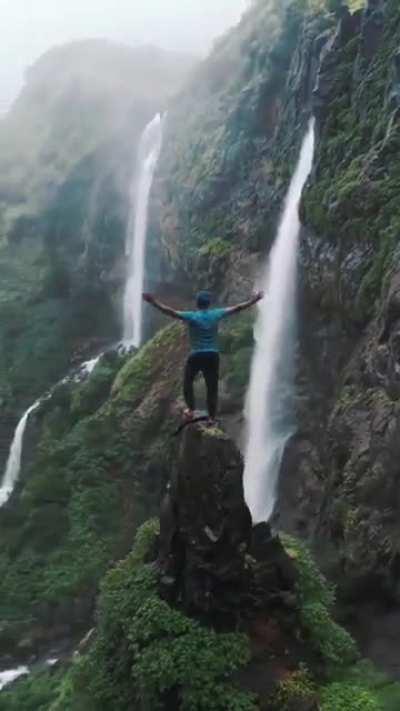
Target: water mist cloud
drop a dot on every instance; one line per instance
(30, 28)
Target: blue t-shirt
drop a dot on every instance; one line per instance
(203, 328)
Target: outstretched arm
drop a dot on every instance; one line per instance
(245, 305)
(162, 307)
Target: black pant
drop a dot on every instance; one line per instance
(208, 364)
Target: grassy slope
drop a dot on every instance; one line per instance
(96, 475)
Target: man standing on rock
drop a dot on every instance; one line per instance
(204, 357)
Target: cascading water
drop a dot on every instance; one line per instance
(13, 465)
(269, 405)
(7, 677)
(148, 155)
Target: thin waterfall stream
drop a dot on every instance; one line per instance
(148, 154)
(269, 405)
(13, 465)
(147, 159)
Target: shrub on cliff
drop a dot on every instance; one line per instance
(317, 598)
(147, 651)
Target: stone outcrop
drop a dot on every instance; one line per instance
(212, 562)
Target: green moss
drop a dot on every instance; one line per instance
(238, 333)
(239, 370)
(373, 280)
(216, 247)
(222, 130)
(88, 397)
(137, 375)
(354, 198)
(237, 345)
(316, 601)
(295, 690)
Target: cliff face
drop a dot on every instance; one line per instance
(217, 224)
(225, 169)
(350, 263)
(67, 151)
(225, 175)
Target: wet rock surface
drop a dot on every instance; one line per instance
(212, 562)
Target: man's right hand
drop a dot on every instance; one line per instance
(148, 297)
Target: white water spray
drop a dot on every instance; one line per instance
(88, 366)
(13, 465)
(269, 406)
(7, 677)
(148, 155)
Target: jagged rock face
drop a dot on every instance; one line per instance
(340, 480)
(230, 141)
(205, 524)
(207, 541)
(325, 88)
(348, 388)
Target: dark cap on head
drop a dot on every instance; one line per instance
(203, 299)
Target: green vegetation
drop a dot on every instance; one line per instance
(294, 691)
(337, 5)
(146, 653)
(317, 598)
(361, 688)
(237, 345)
(94, 392)
(145, 650)
(355, 196)
(221, 131)
(135, 379)
(349, 686)
(215, 247)
(340, 696)
(97, 473)
(36, 692)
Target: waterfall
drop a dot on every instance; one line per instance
(269, 404)
(148, 155)
(89, 365)
(7, 677)
(13, 465)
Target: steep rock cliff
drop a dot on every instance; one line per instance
(225, 175)
(350, 263)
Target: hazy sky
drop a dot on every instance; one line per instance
(29, 27)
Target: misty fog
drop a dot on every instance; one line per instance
(31, 27)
